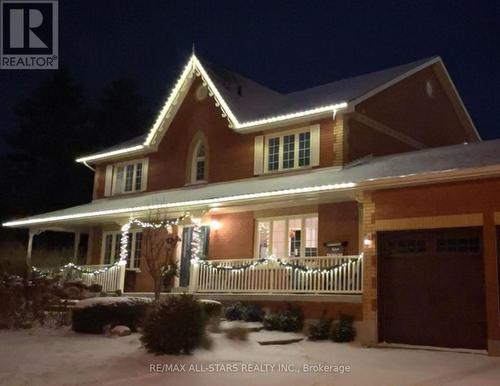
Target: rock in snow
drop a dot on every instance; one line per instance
(120, 331)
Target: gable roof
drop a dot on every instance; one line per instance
(248, 105)
(448, 163)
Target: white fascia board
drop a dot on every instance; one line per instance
(109, 154)
(207, 201)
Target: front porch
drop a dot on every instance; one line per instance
(226, 278)
(322, 274)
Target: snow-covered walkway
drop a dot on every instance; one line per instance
(61, 357)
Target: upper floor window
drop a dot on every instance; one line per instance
(127, 177)
(198, 160)
(199, 163)
(287, 150)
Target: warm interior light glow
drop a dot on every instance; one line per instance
(215, 225)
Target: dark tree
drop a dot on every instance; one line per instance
(121, 114)
(40, 173)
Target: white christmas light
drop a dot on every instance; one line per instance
(94, 157)
(206, 201)
(194, 66)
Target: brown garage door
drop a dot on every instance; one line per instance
(431, 288)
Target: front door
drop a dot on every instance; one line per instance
(187, 239)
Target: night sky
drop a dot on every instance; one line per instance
(285, 45)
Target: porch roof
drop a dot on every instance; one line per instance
(465, 161)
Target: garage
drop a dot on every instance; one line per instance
(431, 288)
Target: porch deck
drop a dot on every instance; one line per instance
(308, 276)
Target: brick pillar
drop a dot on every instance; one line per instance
(338, 140)
(491, 283)
(368, 334)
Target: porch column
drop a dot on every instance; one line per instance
(32, 234)
(76, 246)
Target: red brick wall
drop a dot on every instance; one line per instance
(230, 153)
(406, 107)
(338, 222)
(234, 239)
(94, 246)
(99, 181)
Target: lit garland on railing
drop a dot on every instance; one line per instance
(74, 267)
(123, 248)
(272, 259)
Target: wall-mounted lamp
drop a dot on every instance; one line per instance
(215, 225)
(368, 242)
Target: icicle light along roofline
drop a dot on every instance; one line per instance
(192, 67)
(207, 201)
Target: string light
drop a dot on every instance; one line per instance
(74, 267)
(125, 229)
(194, 67)
(272, 259)
(143, 224)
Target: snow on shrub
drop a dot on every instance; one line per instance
(244, 311)
(173, 326)
(289, 320)
(343, 329)
(320, 330)
(211, 308)
(92, 315)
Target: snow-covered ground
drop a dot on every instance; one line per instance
(61, 357)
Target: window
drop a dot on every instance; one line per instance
(288, 151)
(458, 245)
(111, 248)
(198, 164)
(295, 236)
(129, 177)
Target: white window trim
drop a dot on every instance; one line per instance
(194, 160)
(281, 135)
(144, 179)
(303, 217)
(118, 234)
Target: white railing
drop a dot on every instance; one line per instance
(342, 275)
(111, 280)
(110, 277)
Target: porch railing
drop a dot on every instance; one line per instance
(334, 275)
(111, 280)
(110, 277)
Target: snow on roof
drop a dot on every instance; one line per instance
(421, 162)
(257, 101)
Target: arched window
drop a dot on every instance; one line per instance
(198, 164)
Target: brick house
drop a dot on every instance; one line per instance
(372, 196)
